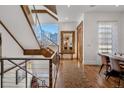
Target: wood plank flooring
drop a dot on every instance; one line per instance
(73, 74)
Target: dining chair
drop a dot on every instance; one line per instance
(105, 62)
(116, 71)
(121, 63)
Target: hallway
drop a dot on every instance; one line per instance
(72, 74)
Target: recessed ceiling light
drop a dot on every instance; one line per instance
(68, 6)
(116, 5)
(66, 18)
(92, 5)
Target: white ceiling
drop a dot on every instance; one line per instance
(74, 12)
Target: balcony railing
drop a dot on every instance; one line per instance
(32, 72)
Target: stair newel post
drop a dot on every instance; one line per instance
(50, 73)
(2, 72)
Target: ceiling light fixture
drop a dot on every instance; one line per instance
(66, 18)
(116, 5)
(92, 5)
(68, 6)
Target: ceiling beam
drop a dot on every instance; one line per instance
(11, 35)
(44, 11)
(29, 18)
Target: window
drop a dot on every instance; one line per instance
(47, 33)
(105, 37)
(51, 31)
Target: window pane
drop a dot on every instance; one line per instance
(105, 37)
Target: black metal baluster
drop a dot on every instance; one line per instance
(26, 73)
(50, 73)
(2, 72)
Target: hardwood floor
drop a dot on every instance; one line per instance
(72, 74)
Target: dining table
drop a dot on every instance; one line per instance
(114, 60)
(116, 70)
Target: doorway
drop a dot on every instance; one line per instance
(80, 42)
(67, 43)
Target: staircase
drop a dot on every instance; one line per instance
(47, 45)
(39, 67)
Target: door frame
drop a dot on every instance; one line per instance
(80, 26)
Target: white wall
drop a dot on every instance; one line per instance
(9, 47)
(68, 26)
(121, 34)
(91, 35)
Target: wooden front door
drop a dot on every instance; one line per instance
(80, 42)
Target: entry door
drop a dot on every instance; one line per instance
(80, 42)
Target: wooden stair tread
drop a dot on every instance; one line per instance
(46, 52)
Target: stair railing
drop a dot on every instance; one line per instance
(52, 61)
